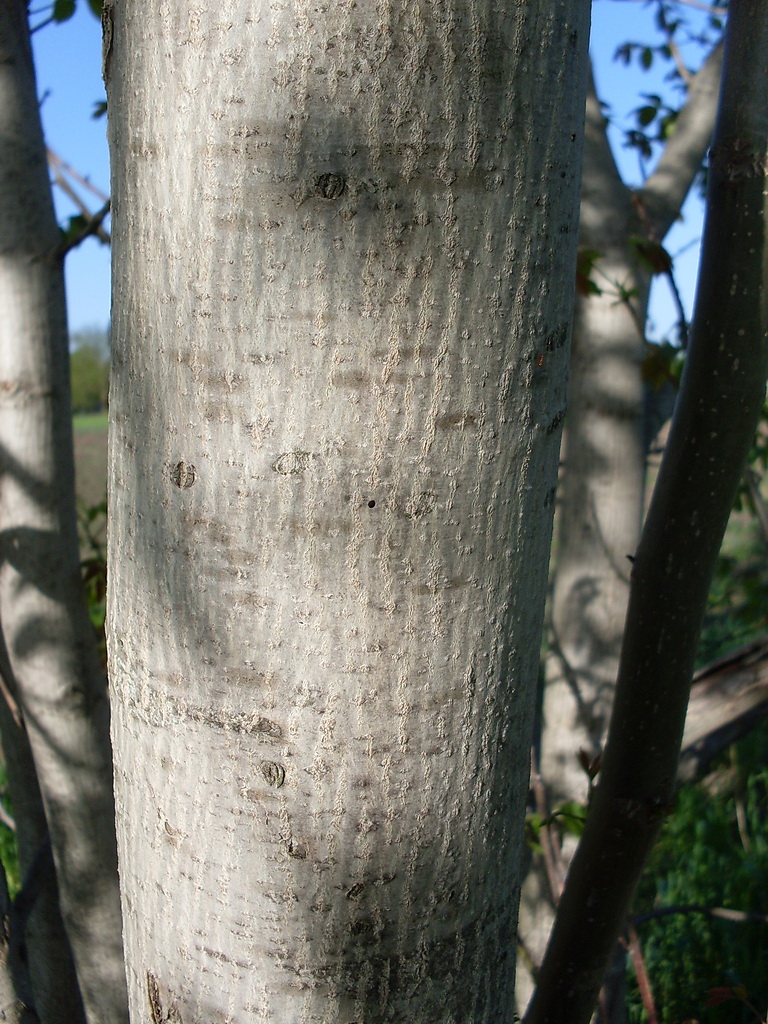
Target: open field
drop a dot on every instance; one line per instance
(90, 457)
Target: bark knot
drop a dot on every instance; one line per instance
(183, 475)
(156, 1007)
(330, 186)
(274, 773)
(291, 462)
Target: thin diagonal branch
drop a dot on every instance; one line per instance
(663, 193)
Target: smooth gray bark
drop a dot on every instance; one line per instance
(344, 236)
(52, 668)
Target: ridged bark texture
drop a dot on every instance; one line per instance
(49, 659)
(344, 236)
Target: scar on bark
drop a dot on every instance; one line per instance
(156, 1007)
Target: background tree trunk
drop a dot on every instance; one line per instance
(603, 474)
(39, 953)
(718, 409)
(50, 663)
(343, 236)
(600, 498)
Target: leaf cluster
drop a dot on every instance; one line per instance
(568, 819)
(75, 229)
(63, 10)
(655, 118)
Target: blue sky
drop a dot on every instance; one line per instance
(68, 65)
(68, 62)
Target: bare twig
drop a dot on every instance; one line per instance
(682, 322)
(650, 230)
(682, 70)
(10, 700)
(93, 226)
(56, 164)
(724, 913)
(550, 847)
(635, 950)
(713, 9)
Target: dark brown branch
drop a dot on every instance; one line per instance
(682, 323)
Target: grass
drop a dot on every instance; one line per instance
(8, 855)
(90, 430)
(91, 423)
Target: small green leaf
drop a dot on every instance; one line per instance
(96, 7)
(668, 124)
(63, 10)
(74, 227)
(533, 826)
(646, 57)
(653, 255)
(662, 364)
(585, 264)
(646, 114)
(535, 820)
(571, 817)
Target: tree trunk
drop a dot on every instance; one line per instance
(16, 999)
(343, 240)
(52, 666)
(601, 495)
(40, 959)
(721, 397)
(600, 499)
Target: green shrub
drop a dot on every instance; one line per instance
(89, 371)
(8, 853)
(713, 852)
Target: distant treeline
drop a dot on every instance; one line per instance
(89, 368)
